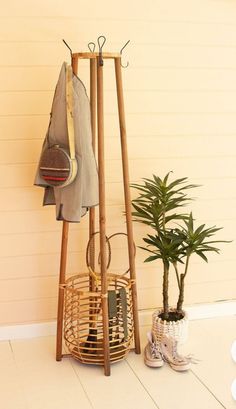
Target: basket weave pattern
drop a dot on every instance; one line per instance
(177, 329)
(83, 322)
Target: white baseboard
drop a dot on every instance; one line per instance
(198, 311)
(195, 312)
(27, 330)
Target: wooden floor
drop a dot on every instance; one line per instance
(31, 378)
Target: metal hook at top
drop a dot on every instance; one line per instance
(100, 45)
(91, 47)
(68, 47)
(124, 66)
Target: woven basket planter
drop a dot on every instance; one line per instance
(177, 329)
(83, 322)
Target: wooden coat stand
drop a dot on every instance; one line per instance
(96, 94)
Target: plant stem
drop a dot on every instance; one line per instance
(165, 290)
(177, 273)
(164, 221)
(165, 284)
(181, 287)
(181, 294)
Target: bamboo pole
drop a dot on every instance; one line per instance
(128, 209)
(74, 64)
(93, 127)
(102, 217)
(91, 255)
(62, 274)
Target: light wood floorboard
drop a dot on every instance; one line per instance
(30, 377)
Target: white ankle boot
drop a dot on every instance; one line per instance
(171, 355)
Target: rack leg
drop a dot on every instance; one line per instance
(102, 218)
(74, 64)
(93, 126)
(64, 242)
(91, 256)
(62, 276)
(128, 210)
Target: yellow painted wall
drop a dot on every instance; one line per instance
(180, 95)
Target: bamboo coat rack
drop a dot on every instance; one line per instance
(97, 109)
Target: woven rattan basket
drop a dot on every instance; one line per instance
(177, 329)
(83, 323)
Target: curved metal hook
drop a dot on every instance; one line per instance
(68, 47)
(90, 45)
(100, 45)
(124, 66)
(98, 40)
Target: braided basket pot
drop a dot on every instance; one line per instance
(177, 329)
(83, 320)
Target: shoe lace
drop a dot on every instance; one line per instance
(155, 349)
(187, 358)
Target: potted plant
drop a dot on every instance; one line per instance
(174, 241)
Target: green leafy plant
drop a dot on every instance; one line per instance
(176, 239)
